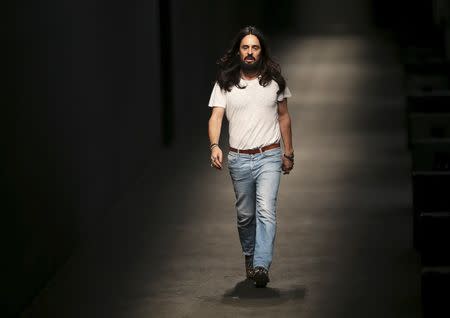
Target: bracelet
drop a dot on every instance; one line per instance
(213, 145)
(290, 158)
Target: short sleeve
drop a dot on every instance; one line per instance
(285, 94)
(218, 97)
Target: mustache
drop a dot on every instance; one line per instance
(249, 57)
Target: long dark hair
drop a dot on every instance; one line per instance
(230, 64)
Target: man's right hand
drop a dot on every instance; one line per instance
(216, 158)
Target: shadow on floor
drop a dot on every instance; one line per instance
(246, 294)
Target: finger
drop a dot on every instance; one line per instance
(217, 164)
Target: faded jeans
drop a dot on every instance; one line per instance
(256, 179)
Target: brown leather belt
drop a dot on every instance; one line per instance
(256, 150)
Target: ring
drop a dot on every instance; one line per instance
(212, 165)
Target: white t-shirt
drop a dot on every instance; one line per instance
(252, 112)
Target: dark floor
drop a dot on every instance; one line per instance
(343, 246)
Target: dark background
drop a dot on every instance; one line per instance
(97, 89)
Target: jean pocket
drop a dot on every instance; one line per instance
(232, 157)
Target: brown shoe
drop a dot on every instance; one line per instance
(249, 271)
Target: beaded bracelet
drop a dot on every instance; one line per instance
(290, 158)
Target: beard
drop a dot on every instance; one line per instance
(250, 68)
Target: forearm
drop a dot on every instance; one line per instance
(214, 127)
(286, 133)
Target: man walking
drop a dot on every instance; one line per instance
(253, 94)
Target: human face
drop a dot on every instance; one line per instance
(250, 49)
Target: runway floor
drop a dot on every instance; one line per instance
(344, 236)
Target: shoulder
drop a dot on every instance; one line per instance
(272, 86)
(217, 89)
(223, 90)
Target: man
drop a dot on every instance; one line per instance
(252, 92)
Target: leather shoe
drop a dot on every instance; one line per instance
(261, 276)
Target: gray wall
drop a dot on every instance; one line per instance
(86, 121)
(328, 16)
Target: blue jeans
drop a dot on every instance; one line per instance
(256, 179)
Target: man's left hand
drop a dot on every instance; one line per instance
(287, 165)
